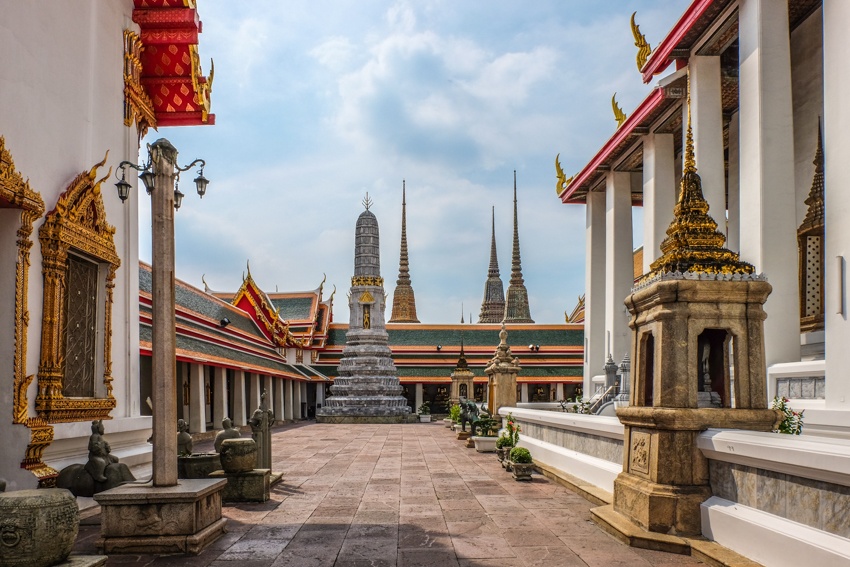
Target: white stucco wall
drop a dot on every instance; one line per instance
(61, 109)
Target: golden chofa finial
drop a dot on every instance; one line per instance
(563, 182)
(644, 50)
(619, 115)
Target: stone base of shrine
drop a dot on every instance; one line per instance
(143, 519)
(404, 418)
(250, 486)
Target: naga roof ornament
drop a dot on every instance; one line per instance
(693, 243)
(644, 50)
(619, 115)
(563, 182)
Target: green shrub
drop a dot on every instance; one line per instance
(512, 429)
(520, 455)
(425, 408)
(454, 413)
(503, 442)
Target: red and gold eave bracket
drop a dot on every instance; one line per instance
(171, 67)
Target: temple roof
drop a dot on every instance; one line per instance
(171, 66)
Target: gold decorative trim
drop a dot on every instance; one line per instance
(366, 297)
(619, 115)
(644, 50)
(41, 435)
(138, 107)
(18, 194)
(367, 280)
(277, 326)
(563, 182)
(202, 85)
(77, 222)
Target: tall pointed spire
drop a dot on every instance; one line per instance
(404, 303)
(493, 306)
(516, 306)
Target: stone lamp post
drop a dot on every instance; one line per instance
(169, 516)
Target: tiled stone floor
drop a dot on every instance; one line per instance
(401, 495)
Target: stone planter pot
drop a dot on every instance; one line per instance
(238, 455)
(522, 471)
(448, 422)
(485, 444)
(425, 418)
(37, 527)
(199, 465)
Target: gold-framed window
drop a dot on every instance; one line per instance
(79, 265)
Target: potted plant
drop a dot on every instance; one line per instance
(425, 412)
(521, 464)
(511, 438)
(485, 441)
(454, 415)
(503, 447)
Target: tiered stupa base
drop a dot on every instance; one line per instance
(367, 389)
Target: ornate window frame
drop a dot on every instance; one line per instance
(77, 225)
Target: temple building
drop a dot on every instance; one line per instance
(759, 86)
(404, 302)
(493, 306)
(72, 107)
(516, 303)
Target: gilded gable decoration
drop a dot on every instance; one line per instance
(251, 299)
(619, 115)
(76, 233)
(644, 50)
(138, 107)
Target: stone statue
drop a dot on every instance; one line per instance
(470, 414)
(229, 432)
(2, 485)
(260, 422)
(99, 453)
(184, 439)
(101, 472)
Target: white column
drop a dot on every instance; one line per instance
(523, 393)
(559, 392)
(296, 400)
(197, 405)
(836, 53)
(253, 391)
(619, 265)
(594, 288)
(733, 236)
(277, 388)
(707, 123)
(288, 407)
(418, 390)
(659, 193)
(320, 394)
(220, 404)
(239, 415)
(769, 221)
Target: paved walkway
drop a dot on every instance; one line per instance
(406, 496)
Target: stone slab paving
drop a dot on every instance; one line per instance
(401, 496)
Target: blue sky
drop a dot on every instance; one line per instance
(317, 103)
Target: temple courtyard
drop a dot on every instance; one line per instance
(400, 495)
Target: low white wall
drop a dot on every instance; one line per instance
(595, 442)
(778, 499)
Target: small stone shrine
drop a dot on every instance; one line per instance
(696, 313)
(501, 373)
(260, 422)
(462, 379)
(367, 389)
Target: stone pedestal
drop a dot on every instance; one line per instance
(463, 435)
(501, 373)
(199, 465)
(152, 520)
(250, 486)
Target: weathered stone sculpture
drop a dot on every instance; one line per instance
(101, 472)
(2, 485)
(260, 422)
(229, 432)
(244, 482)
(37, 527)
(184, 439)
(501, 373)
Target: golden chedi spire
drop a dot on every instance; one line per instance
(693, 243)
(815, 214)
(404, 302)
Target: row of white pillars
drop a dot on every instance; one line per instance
(283, 396)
